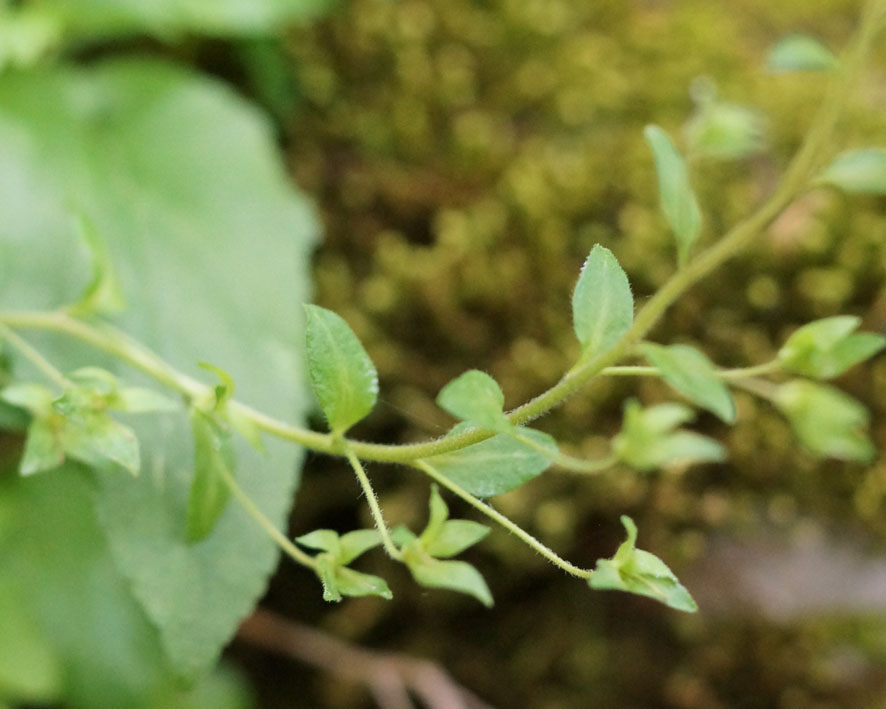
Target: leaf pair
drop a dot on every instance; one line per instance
(648, 440)
(826, 348)
(331, 565)
(637, 571)
(441, 539)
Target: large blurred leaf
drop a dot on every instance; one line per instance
(172, 17)
(209, 241)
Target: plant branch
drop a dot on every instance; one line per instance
(372, 500)
(32, 355)
(498, 517)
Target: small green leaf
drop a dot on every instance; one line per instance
(323, 539)
(325, 566)
(36, 399)
(475, 397)
(830, 423)
(94, 437)
(342, 375)
(637, 571)
(438, 514)
(602, 304)
(104, 294)
(356, 583)
(725, 131)
(496, 465)
(678, 202)
(355, 543)
(222, 391)
(454, 536)
(692, 374)
(826, 348)
(213, 461)
(860, 171)
(799, 52)
(647, 440)
(453, 575)
(43, 447)
(246, 427)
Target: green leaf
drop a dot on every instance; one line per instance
(337, 579)
(692, 374)
(454, 536)
(210, 242)
(799, 52)
(213, 462)
(354, 544)
(642, 573)
(342, 375)
(438, 513)
(826, 348)
(104, 294)
(725, 131)
(356, 583)
(496, 465)
(453, 575)
(323, 539)
(95, 438)
(475, 397)
(222, 391)
(647, 439)
(828, 422)
(43, 447)
(678, 203)
(36, 399)
(602, 304)
(860, 171)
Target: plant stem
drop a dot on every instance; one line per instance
(292, 551)
(498, 517)
(568, 462)
(374, 507)
(31, 354)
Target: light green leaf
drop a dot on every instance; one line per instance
(95, 438)
(210, 241)
(828, 422)
(640, 572)
(43, 447)
(141, 400)
(356, 583)
(475, 397)
(677, 199)
(354, 544)
(799, 52)
(725, 131)
(826, 348)
(325, 567)
(602, 304)
(647, 439)
(213, 462)
(453, 575)
(438, 513)
(224, 390)
(342, 374)
(454, 536)
(36, 399)
(692, 374)
(496, 465)
(104, 294)
(860, 171)
(323, 539)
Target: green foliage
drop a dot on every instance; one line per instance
(647, 439)
(476, 398)
(342, 374)
(799, 52)
(332, 565)
(862, 171)
(602, 304)
(692, 374)
(826, 348)
(678, 202)
(640, 572)
(213, 465)
(720, 130)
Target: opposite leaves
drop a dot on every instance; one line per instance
(678, 201)
(602, 304)
(826, 348)
(332, 563)
(637, 571)
(342, 374)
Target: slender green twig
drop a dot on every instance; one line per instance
(568, 462)
(32, 355)
(374, 507)
(292, 551)
(498, 517)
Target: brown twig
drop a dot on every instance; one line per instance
(390, 677)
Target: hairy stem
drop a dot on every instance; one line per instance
(374, 507)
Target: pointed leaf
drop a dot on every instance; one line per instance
(95, 438)
(799, 52)
(602, 304)
(692, 374)
(826, 348)
(453, 575)
(344, 378)
(326, 567)
(36, 399)
(477, 398)
(725, 131)
(354, 544)
(828, 422)
(438, 514)
(224, 390)
(43, 447)
(496, 465)
(104, 294)
(642, 573)
(323, 539)
(213, 461)
(860, 171)
(677, 199)
(356, 583)
(454, 537)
